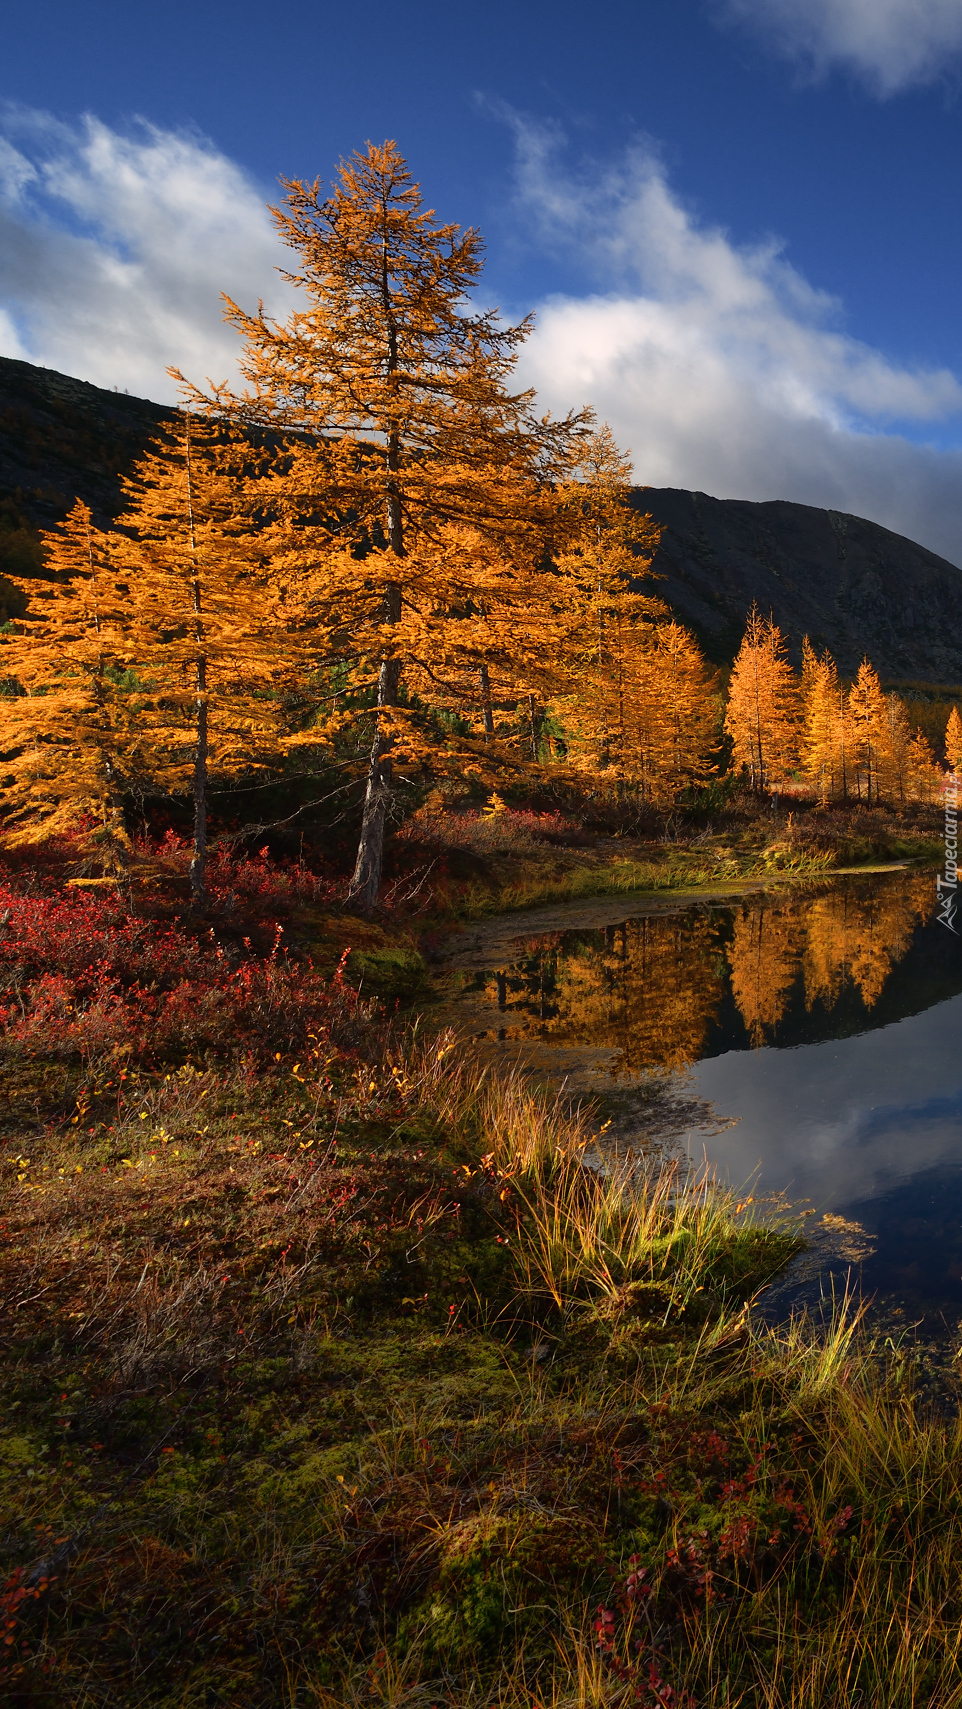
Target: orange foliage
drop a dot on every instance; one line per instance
(763, 705)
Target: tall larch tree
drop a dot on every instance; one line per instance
(896, 767)
(204, 630)
(679, 701)
(762, 716)
(825, 734)
(605, 622)
(72, 730)
(870, 732)
(925, 775)
(419, 486)
(953, 740)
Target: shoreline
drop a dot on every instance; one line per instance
(609, 908)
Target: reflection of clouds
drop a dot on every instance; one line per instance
(842, 1121)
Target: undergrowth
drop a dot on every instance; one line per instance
(338, 1372)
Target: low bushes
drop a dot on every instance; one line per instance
(85, 973)
(366, 1383)
(503, 831)
(338, 1372)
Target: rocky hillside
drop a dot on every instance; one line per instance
(849, 584)
(61, 437)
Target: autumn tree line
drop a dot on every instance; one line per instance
(378, 561)
(845, 742)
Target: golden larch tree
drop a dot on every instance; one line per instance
(826, 743)
(419, 487)
(605, 633)
(71, 727)
(953, 740)
(204, 629)
(762, 716)
(895, 771)
(678, 695)
(924, 773)
(638, 703)
(870, 732)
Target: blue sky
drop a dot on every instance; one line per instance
(738, 220)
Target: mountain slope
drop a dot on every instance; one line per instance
(61, 438)
(848, 583)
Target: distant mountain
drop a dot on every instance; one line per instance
(849, 584)
(61, 439)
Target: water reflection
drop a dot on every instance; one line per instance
(661, 993)
(828, 1024)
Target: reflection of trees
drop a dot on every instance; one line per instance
(649, 990)
(861, 937)
(839, 936)
(764, 956)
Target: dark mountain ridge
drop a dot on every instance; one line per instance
(850, 584)
(847, 583)
(62, 439)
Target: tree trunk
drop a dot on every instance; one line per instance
(198, 866)
(535, 726)
(116, 828)
(366, 882)
(486, 707)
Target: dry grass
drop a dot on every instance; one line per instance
(369, 1384)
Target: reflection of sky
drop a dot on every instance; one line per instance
(867, 1125)
(846, 1121)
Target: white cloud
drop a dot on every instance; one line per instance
(892, 44)
(721, 368)
(114, 250)
(719, 365)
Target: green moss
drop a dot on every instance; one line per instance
(394, 973)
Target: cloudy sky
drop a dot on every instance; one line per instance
(737, 220)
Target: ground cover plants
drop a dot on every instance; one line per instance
(336, 1372)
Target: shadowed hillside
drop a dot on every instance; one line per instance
(851, 585)
(61, 439)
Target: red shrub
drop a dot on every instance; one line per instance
(81, 974)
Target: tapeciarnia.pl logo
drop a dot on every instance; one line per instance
(947, 883)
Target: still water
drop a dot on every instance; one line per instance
(823, 1027)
